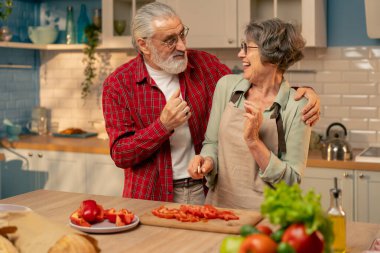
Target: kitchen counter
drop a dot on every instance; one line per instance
(81, 145)
(57, 206)
(99, 146)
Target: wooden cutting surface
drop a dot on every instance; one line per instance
(211, 225)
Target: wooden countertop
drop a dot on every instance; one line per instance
(50, 143)
(57, 206)
(99, 146)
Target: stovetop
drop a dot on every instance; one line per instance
(370, 154)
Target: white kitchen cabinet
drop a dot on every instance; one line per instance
(321, 180)
(212, 23)
(118, 10)
(359, 191)
(66, 171)
(368, 187)
(103, 177)
(309, 15)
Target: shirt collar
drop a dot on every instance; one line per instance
(281, 98)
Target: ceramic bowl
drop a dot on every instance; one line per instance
(13, 131)
(42, 34)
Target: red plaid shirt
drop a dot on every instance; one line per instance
(139, 143)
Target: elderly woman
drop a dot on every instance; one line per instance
(255, 135)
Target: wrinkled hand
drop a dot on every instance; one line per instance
(311, 112)
(175, 113)
(199, 166)
(252, 124)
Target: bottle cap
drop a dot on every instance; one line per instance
(335, 191)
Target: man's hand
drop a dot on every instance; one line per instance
(175, 113)
(311, 112)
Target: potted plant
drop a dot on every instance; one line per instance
(92, 33)
(5, 11)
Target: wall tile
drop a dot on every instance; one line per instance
(328, 53)
(330, 99)
(336, 64)
(364, 65)
(374, 124)
(374, 100)
(336, 88)
(355, 100)
(355, 52)
(363, 112)
(363, 88)
(336, 111)
(311, 64)
(363, 136)
(329, 76)
(355, 76)
(350, 123)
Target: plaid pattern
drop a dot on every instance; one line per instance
(139, 143)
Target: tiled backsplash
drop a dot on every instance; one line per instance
(346, 78)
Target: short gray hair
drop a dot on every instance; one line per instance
(280, 43)
(141, 26)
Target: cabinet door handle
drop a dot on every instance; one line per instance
(30, 154)
(361, 175)
(230, 41)
(40, 155)
(345, 174)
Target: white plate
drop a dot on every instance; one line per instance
(13, 208)
(106, 227)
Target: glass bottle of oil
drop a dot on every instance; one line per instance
(338, 218)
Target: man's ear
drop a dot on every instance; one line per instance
(143, 46)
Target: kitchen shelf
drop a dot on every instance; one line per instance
(45, 47)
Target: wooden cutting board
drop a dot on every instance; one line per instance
(214, 225)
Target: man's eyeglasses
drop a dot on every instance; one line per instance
(172, 41)
(244, 47)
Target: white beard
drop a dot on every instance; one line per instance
(169, 65)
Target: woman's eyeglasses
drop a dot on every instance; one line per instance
(244, 47)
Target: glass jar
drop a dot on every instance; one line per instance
(70, 26)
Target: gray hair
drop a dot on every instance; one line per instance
(141, 26)
(280, 43)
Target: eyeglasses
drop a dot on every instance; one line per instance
(244, 47)
(172, 41)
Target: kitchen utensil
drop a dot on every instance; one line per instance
(212, 225)
(13, 132)
(336, 147)
(42, 34)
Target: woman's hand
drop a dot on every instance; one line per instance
(252, 124)
(200, 166)
(311, 112)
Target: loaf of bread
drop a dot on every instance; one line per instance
(6, 246)
(72, 130)
(75, 243)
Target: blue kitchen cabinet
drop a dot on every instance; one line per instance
(19, 173)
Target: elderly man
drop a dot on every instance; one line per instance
(157, 106)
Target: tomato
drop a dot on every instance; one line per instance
(231, 244)
(258, 243)
(264, 229)
(296, 236)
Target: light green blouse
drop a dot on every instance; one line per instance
(297, 134)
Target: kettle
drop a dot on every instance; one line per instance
(336, 147)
